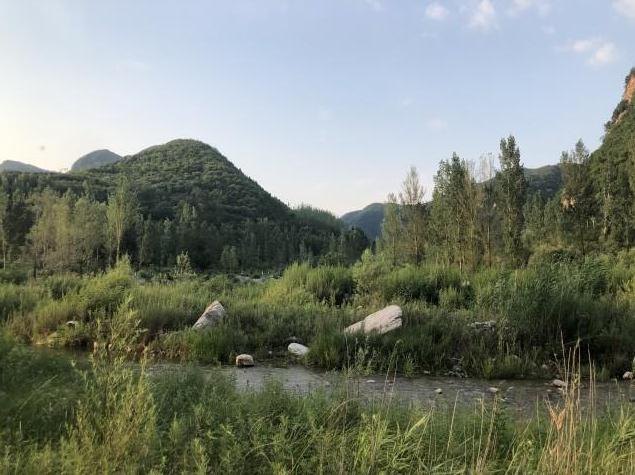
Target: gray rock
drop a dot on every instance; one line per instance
(493, 390)
(628, 375)
(297, 349)
(438, 391)
(211, 316)
(383, 321)
(244, 361)
(558, 383)
(489, 326)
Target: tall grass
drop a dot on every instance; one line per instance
(553, 299)
(123, 420)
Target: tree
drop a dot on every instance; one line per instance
(455, 212)
(229, 260)
(512, 191)
(4, 206)
(121, 213)
(413, 213)
(577, 196)
(488, 212)
(391, 230)
(89, 232)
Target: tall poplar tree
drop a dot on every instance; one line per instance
(577, 199)
(121, 213)
(413, 212)
(512, 193)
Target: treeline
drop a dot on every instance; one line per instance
(481, 214)
(75, 230)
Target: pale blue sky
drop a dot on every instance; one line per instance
(326, 101)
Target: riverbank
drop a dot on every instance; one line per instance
(532, 316)
(108, 416)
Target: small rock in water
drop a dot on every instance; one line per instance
(493, 390)
(438, 391)
(244, 361)
(558, 383)
(371, 381)
(297, 349)
(628, 375)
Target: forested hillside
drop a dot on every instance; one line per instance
(182, 201)
(368, 219)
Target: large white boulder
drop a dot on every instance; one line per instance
(297, 349)
(211, 316)
(383, 321)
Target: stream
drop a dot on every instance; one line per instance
(521, 397)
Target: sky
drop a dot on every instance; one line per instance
(326, 102)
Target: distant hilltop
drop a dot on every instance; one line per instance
(96, 159)
(15, 166)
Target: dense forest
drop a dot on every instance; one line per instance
(179, 201)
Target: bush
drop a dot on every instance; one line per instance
(420, 283)
(13, 276)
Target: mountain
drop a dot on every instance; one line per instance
(368, 219)
(612, 169)
(545, 180)
(188, 171)
(13, 166)
(192, 199)
(96, 159)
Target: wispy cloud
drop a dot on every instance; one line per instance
(597, 51)
(543, 7)
(483, 17)
(436, 124)
(375, 5)
(436, 11)
(625, 7)
(133, 65)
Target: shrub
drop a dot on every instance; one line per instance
(420, 283)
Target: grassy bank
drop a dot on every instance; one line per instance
(535, 310)
(110, 418)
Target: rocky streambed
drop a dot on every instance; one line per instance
(520, 397)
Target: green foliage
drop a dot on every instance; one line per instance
(420, 283)
(190, 198)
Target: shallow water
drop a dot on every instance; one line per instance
(523, 397)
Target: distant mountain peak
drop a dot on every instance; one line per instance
(15, 166)
(95, 159)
